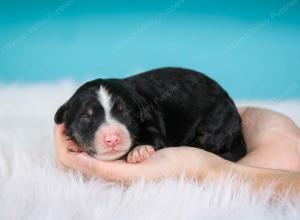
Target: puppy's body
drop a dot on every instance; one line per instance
(162, 108)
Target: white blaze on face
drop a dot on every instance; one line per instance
(105, 100)
(112, 139)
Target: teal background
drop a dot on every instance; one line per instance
(251, 47)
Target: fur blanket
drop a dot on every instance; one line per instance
(31, 187)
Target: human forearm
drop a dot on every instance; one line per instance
(282, 182)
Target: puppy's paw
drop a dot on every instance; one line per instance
(140, 153)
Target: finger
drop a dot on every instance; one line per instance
(59, 132)
(61, 139)
(72, 146)
(109, 170)
(62, 145)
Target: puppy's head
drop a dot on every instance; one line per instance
(99, 117)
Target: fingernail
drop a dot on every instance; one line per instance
(85, 160)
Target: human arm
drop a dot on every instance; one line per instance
(199, 164)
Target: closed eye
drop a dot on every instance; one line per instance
(85, 116)
(88, 113)
(121, 107)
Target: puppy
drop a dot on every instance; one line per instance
(133, 117)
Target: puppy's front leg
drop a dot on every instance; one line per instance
(140, 153)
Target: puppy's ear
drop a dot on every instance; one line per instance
(61, 114)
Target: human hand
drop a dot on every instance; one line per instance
(168, 162)
(263, 131)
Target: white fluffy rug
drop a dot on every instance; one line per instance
(32, 188)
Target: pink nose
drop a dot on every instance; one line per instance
(112, 140)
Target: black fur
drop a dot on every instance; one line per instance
(162, 107)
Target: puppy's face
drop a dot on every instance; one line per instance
(100, 122)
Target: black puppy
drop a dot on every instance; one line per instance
(132, 117)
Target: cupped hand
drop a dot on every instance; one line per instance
(168, 162)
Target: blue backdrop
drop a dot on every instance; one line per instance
(251, 47)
